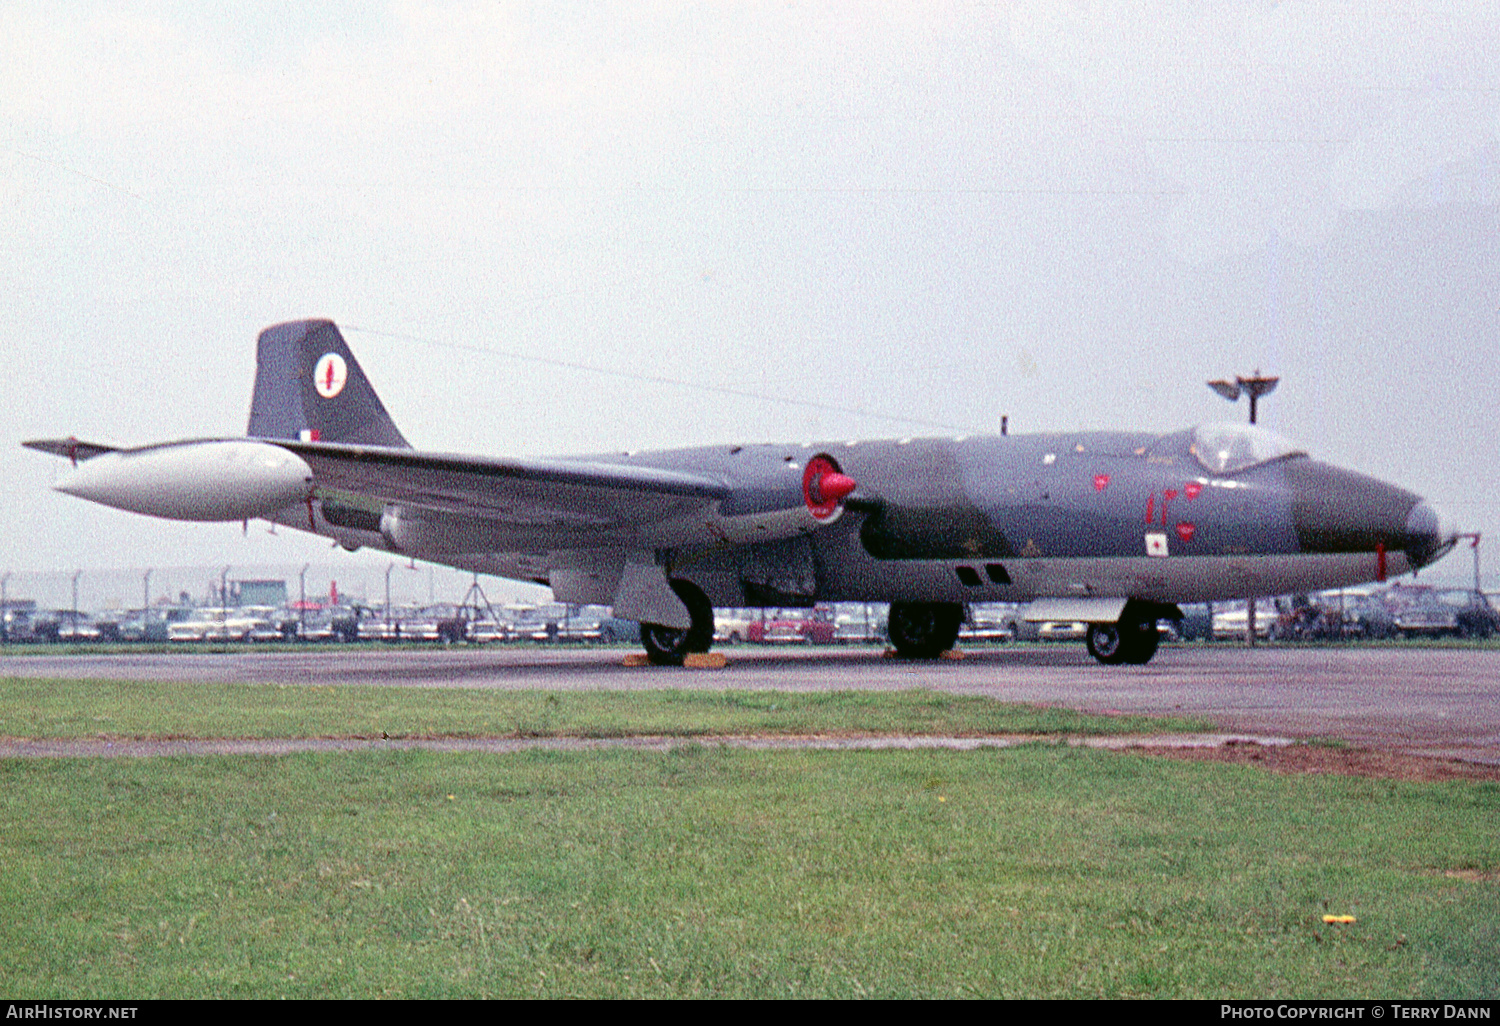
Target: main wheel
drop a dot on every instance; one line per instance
(665, 646)
(1129, 641)
(1144, 640)
(924, 630)
(1105, 643)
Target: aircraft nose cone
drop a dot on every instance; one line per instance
(1338, 510)
(1429, 535)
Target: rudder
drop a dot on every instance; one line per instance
(308, 386)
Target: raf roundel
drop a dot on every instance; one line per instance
(330, 374)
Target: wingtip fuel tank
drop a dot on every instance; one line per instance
(217, 480)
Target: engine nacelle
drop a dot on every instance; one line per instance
(807, 504)
(229, 479)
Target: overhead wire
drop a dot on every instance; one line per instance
(655, 379)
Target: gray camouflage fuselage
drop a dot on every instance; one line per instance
(993, 518)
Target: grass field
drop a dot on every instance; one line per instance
(1031, 872)
(39, 708)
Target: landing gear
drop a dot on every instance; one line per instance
(924, 630)
(665, 646)
(1133, 639)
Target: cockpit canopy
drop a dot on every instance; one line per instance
(1231, 448)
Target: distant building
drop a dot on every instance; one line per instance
(259, 593)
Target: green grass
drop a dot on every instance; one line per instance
(1042, 871)
(38, 708)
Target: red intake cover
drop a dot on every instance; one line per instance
(824, 486)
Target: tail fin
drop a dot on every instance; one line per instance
(309, 386)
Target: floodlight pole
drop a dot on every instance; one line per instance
(1255, 386)
(388, 599)
(1473, 539)
(145, 597)
(4, 608)
(302, 608)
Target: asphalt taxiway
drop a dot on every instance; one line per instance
(1442, 702)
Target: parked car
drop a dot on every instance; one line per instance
(75, 626)
(1476, 617)
(1418, 611)
(793, 626)
(343, 622)
(214, 623)
(145, 625)
(988, 623)
(732, 626)
(613, 630)
(1365, 615)
(1061, 630)
(861, 625)
(554, 622)
(1197, 623)
(18, 626)
(1230, 622)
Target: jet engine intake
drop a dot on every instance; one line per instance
(792, 512)
(824, 487)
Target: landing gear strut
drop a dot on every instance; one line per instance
(1133, 639)
(665, 646)
(924, 630)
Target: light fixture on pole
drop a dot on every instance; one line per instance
(1254, 386)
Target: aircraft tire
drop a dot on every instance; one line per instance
(924, 630)
(1106, 643)
(1129, 641)
(666, 646)
(1144, 641)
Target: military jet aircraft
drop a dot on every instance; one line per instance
(1108, 528)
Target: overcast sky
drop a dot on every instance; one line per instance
(561, 228)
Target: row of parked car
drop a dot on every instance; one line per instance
(1400, 610)
(1395, 611)
(443, 622)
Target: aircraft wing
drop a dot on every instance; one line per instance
(524, 493)
(430, 503)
